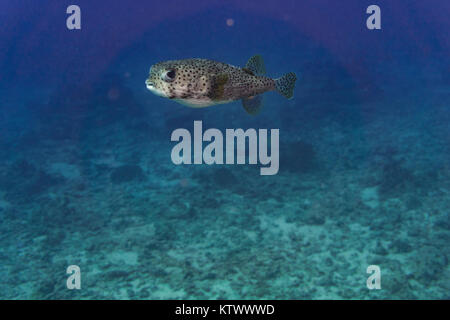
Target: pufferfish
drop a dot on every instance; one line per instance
(201, 83)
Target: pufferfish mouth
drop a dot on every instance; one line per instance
(151, 86)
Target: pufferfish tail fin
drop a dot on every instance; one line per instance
(285, 85)
(255, 65)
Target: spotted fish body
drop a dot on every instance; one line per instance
(202, 83)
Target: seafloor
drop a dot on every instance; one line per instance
(364, 179)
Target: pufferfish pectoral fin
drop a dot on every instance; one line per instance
(256, 65)
(217, 86)
(253, 104)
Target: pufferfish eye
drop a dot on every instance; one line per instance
(169, 75)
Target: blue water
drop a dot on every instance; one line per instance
(87, 179)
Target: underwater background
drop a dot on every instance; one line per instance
(86, 176)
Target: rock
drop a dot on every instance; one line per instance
(298, 157)
(396, 179)
(369, 197)
(400, 246)
(127, 173)
(66, 170)
(116, 274)
(224, 177)
(313, 218)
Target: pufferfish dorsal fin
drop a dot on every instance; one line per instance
(256, 65)
(253, 104)
(217, 86)
(248, 71)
